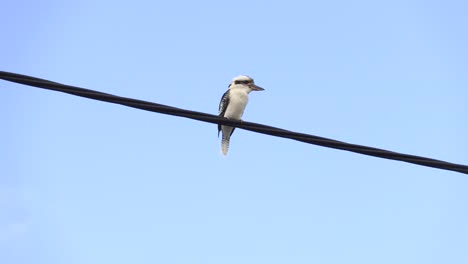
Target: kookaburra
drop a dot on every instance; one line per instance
(233, 104)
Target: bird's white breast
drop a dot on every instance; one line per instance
(238, 99)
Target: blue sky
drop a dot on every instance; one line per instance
(84, 181)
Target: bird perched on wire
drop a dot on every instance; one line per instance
(233, 104)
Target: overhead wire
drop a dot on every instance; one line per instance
(255, 127)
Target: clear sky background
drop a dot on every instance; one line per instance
(83, 181)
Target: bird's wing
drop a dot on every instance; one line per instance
(223, 106)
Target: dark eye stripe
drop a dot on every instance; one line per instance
(241, 82)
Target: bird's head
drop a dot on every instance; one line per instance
(244, 81)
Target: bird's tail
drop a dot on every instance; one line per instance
(225, 144)
(227, 132)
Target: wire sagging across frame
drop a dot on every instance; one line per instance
(259, 128)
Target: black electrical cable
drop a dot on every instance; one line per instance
(273, 131)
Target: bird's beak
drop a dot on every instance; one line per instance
(255, 87)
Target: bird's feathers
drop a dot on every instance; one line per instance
(223, 106)
(223, 103)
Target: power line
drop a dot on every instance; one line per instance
(268, 130)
